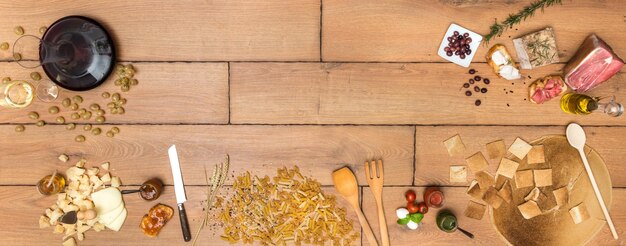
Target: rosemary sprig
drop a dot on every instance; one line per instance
(499, 27)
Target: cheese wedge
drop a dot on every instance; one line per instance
(109, 217)
(118, 222)
(106, 200)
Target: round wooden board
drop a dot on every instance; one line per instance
(556, 227)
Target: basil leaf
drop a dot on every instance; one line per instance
(403, 221)
(416, 217)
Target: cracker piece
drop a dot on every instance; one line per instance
(524, 178)
(529, 209)
(500, 181)
(475, 191)
(477, 162)
(506, 192)
(543, 177)
(475, 210)
(491, 197)
(485, 180)
(520, 148)
(507, 168)
(70, 242)
(533, 195)
(458, 174)
(536, 155)
(579, 213)
(562, 196)
(496, 149)
(454, 145)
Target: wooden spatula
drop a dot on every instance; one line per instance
(346, 184)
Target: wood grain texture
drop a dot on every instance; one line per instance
(166, 93)
(138, 153)
(456, 201)
(403, 30)
(215, 30)
(383, 93)
(432, 160)
(20, 218)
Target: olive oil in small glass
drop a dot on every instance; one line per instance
(580, 104)
(46, 186)
(16, 94)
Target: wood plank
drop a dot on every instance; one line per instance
(167, 93)
(139, 152)
(432, 160)
(219, 30)
(22, 207)
(456, 200)
(401, 30)
(367, 93)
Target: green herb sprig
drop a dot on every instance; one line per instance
(499, 27)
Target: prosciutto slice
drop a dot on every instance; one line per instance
(545, 89)
(594, 63)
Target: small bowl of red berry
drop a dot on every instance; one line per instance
(459, 45)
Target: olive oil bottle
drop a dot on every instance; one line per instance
(580, 104)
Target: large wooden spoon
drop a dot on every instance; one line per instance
(346, 184)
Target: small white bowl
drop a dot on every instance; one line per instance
(476, 39)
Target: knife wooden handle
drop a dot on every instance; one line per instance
(183, 222)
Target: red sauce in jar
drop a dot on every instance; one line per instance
(433, 197)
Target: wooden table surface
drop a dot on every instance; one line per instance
(318, 84)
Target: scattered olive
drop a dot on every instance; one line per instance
(466, 85)
(70, 126)
(86, 115)
(134, 82)
(471, 81)
(114, 110)
(17, 56)
(476, 89)
(468, 93)
(121, 110)
(477, 78)
(33, 115)
(20, 128)
(478, 102)
(4, 46)
(35, 76)
(94, 106)
(82, 111)
(472, 71)
(40, 123)
(66, 102)
(486, 81)
(87, 127)
(115, 130)
(18, 30)
(43, 29)
(122, 101)
(96, 131)
(115, 97)
(110, 134)
(80, 138)
(111, 105)
(118, 82)
(77, 99)
(53, 110)
(6, 79)
(125, 88)
(75, 116)
(100, 119)
(99, 112)
(106, 95)
(60, 120)
(74, 106)
(483, 90)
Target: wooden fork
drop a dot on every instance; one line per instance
(374, 176)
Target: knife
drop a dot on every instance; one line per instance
(179, 189)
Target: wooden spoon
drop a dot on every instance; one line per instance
(346, 184)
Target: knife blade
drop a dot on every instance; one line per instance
(179, 190)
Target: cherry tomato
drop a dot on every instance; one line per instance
(412, 207)
(422, 207)
(410, 196)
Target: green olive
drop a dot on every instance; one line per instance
(121, 110)
(100, 112)
(6, 79)
(40, 123)
(115, 130)
(125, 80)
(18, 30)
(119, 67)
(115, 97)
(35, 76)
(100, 119)
(33, 115)
(20, 128)
(43, 29)
(74, 106)
(134, 82)
(66, 102)
(106, 95)
(125, 88)
(82, 111)
(61, 119)
(53, 110)
(75, 116)
(87, 115)
(118, 82)
(110, 134)
(70, 126)
(94, 106)
(87, 127)
(79, 138)
(96, 131)
(4, 46)
(77, 99)
(122, 101)
(114, 110)
(129, 67)
(111, 105)
(17, 56)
